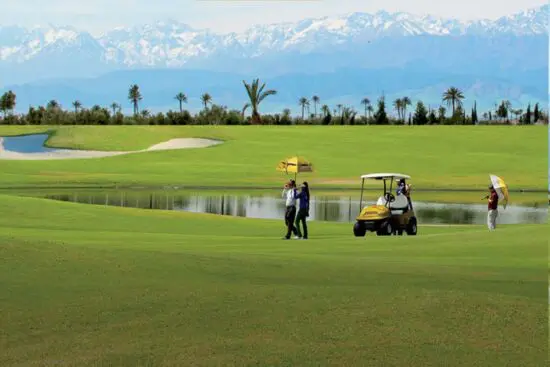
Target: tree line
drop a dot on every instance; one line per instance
(213, 114)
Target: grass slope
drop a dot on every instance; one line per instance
(87, 285)
(435, 156)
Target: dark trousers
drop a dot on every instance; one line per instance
(301, 217)
(290, 215)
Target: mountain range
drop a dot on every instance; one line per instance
(396, 53)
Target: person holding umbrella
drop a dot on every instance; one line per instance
(498, 192)
(492, 207)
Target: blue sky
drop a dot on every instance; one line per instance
(233, 15)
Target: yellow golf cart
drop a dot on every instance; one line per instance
(391, 215)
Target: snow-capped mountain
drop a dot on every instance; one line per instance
(45, 52)
(173, 44)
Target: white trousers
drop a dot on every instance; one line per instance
(492, 219)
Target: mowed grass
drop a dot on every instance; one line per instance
(435, 156)
(90, 285)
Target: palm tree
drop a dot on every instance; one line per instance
(339, 106)
(115, 107)
(398, 104)
(405, 101)
(326, 110)
(181, 98)
(315, 100)
(303, 102)
(453, 96)
(134, 95)
(206, 99)
(77, 105)
(52, 105)
(370, 109)
(256, 94)
(366, 102)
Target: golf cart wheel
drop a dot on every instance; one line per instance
(359, 229)
(385, 230)
(412, 227)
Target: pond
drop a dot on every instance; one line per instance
(271, 206)
(27, 144)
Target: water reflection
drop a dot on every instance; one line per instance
(323, 208)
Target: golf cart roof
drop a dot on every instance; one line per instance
(383, 176)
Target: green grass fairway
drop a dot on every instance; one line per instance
(103, 286)
(435, 156)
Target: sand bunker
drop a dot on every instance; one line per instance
(183, 143)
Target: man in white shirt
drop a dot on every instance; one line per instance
(289, 194)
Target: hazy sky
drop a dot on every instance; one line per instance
(233, 15)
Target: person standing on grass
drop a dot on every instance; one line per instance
(492, 208)
(303, 211)
(290, 194)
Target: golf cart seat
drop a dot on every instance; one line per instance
(399, 206)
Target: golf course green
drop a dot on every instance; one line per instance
(434, 156)
(87, 285)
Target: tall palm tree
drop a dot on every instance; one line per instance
(181, 98)
(453, 96)
(77, 105)
(115, 107)
(405, 101)
(256, 94)
(315, 100)
(398, 104)
(134, 95)
(206, 99)
(326, 110)
(303, 102)
(365, 102)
